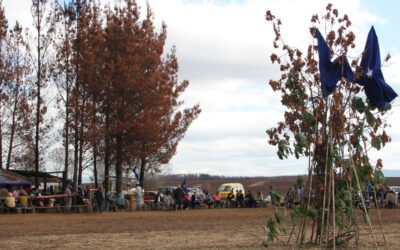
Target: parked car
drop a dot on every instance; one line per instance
(165, 189)
(150, 195)
(199, 193)
(395, 189)
(226, 188)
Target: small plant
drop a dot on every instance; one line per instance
(274, 227)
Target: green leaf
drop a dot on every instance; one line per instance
(301, 139)
(376, 142)
(283, 229)
(294, 216)
(370, 118)
(289, 83)
(358, 104)
(312, 213)
(283, 149)
(379, 177)
(278, 218)
(308, 117)
(270, 223)
(279, 153)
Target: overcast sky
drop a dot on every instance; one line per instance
(223, 49)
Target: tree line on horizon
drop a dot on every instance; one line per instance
(101, 75)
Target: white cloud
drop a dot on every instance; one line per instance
(18, 10)
(223, 49)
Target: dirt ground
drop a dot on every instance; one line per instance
(190, 229)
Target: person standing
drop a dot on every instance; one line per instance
(230, 198)
(391, 200)
(259, 199)
(138, 191)
(68, 197)
(178, 196)
(186, 200)
(217, 200)
(10, 202)
(240, 199)
(100, 198)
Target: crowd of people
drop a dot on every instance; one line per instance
(384, 197)
(13, 197)
(180, 199)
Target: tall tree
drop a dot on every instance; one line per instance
(161, 122)
(3, 73)
(19, 89)
(142, 93)
(93, 64)
(64, 73)
(43, 24)
(120, 36)
(80, 7)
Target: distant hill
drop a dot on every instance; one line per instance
(211, 183)
(391, 173)
(262, 183)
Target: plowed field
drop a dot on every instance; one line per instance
(190, 229)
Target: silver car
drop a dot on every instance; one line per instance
(199, 193)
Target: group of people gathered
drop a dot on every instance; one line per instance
(385, 197)
(13, 197)
(99, 200)
(181, 199)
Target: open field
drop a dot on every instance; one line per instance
(280, 183)
(190, 229)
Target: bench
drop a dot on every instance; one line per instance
(77, 208)
(20, 210)
(17, 210)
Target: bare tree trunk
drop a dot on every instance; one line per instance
(93, 139)
(38, 104)
(107, 152)
(76, 95)
(14, 114)
(95, 164)
(81, 142)
(118, 163)
(66, 163)
(142, 169)
(1, 146)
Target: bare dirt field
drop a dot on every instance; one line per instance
(190, 229)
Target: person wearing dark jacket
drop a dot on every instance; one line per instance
(99, 198)
(178, 196)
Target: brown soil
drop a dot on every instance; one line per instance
(191, 229)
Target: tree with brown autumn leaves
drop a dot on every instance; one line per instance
(42, 14)
(63, 73)
(143, 91)
(124, 104)
(15, 98)
(20, 99)
(119, 97)
(336, 132)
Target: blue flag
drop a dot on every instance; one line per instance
(378, 92)
(135, 171)
(331, 72)
(183, 185)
